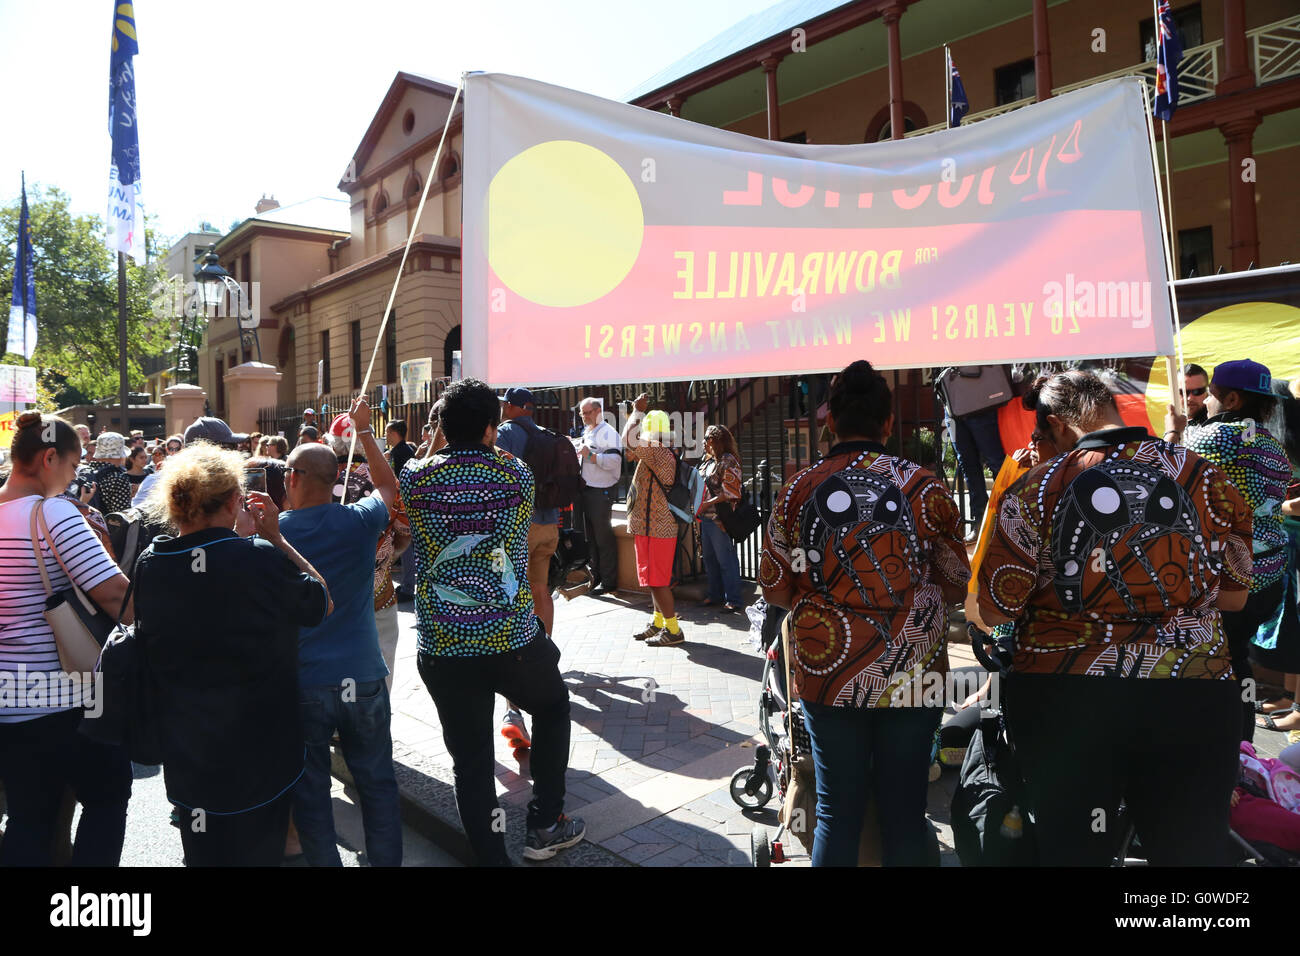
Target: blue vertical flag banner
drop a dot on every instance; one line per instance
(125, 216)
(22, 308)
(958, 105)
(1169, 50)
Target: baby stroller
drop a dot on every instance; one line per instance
(781, 721)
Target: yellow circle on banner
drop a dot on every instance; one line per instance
(1268, 332)
(564, 224)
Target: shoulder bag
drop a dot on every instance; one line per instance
(80, 627)
(128, 715)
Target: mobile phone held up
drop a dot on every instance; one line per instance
(255, 479)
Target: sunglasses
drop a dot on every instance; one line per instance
(1195, 391)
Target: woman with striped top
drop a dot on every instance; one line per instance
(41, 752)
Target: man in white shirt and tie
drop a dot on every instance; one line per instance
(600, 454)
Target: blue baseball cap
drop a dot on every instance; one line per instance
(1243, 375)
(517, 396)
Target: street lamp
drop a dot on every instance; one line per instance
(213, 281)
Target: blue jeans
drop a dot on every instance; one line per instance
(720, 562)
(978, 443)
(884, 752)
(362, 723)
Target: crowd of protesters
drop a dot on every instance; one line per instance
(1144, 584)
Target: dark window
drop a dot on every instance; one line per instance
(1195, 252)
(1187, 21)
(408, 122)
(1015, 81)
(390, 349)
(325, 357)
(356, 354)
(452, 344)
(246, 269)
(221, 386)
(887, 131)
(795, 138)
(381, 202)
(450, 167)
(412, 187)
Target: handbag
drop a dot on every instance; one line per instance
(739, 520)
(128, 715)
(80, 627)
(973, 388)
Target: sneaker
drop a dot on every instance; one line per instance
(542, 844)
(515, 730)
(650, 631)
(666, 638)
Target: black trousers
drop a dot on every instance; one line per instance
(253, 838)
(597, 503)
(1241, 627)
(39, 759)
(464, 690)
(1167, 748)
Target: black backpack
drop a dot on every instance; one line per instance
(990, 818)
(131, 532)
(555, 468)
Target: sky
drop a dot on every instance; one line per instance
(246, 97)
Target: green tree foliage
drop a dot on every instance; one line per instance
(76, 301)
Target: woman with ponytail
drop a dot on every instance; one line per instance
(865, 548)
(41, 752)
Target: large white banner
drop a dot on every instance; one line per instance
(606, 242)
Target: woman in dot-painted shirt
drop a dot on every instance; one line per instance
(1114, 560)
(865, 549)
(1233, 437)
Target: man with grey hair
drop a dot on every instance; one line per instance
(600, 453)
(83, 432)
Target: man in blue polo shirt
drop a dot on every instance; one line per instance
(341, 670)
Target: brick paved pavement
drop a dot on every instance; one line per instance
(657, 734)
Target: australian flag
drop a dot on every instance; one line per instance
(22, 310)
(125, 217)
(1169, 50)
(959, 106)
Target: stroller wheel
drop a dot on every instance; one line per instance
(761, 848)
(750, 790)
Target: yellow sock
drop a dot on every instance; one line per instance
(672, 625)
(659, 619)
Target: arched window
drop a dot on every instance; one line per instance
(887, 131)
(412, 187)
(451, 344)
(381, 202)
(450, 167)
(880, 128)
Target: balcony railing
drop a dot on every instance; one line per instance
(1276, 55)
(1276, 48)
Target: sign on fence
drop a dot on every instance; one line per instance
(17, 384)
(606, 241)
(417, 376)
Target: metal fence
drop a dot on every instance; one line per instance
(287, 419)
(778, 424)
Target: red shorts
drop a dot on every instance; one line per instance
(654, 561)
